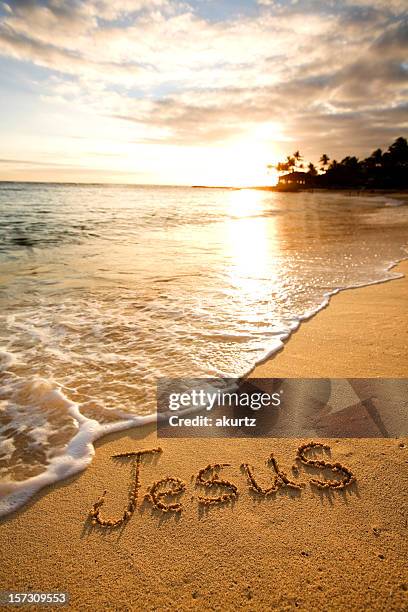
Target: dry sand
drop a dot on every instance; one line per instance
(307, 550)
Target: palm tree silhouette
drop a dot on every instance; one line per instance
(380, 170)
(324, 161)
(291, 163)
(312, 169)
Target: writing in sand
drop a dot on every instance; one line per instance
(165, 494)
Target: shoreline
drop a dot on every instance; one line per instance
(325, 304)
(295, 550)
(351, 305)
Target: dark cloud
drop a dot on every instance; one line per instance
(72, 13)
(58, 8)
(35, 49)
(393, 41)
(379, 72)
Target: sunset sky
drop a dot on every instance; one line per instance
(194, 92)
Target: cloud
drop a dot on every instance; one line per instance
(29, 162)
(393, 42)
(347, 6)
(172, 44)
(349, 92)
(398, 7)
(323, 70)
(378, 74)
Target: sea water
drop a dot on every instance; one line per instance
(105, 288)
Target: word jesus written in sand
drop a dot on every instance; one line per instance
(164, 493)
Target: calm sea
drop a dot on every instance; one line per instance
(106, 288)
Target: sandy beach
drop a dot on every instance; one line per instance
(306, 549)
(203, 306)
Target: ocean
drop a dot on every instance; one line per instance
(106, 288)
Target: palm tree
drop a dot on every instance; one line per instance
(298, 158)
(291, 163)
(376, 157)
(282, 166)
(312, 169)
(399, 151)
(324, 161)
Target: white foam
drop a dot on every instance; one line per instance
(7, 360)
(393, 202)
(77, 456)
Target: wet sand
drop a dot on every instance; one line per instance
(362, 333)
(304, 549)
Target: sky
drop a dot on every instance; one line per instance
(196, 92)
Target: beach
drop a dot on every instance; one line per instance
(203, 306)
(304, 548)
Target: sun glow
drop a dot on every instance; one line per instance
(247, 167)
(246, 159)
(111, 157)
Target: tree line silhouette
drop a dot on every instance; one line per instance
(380, 170)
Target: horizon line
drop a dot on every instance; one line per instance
(110, 184)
